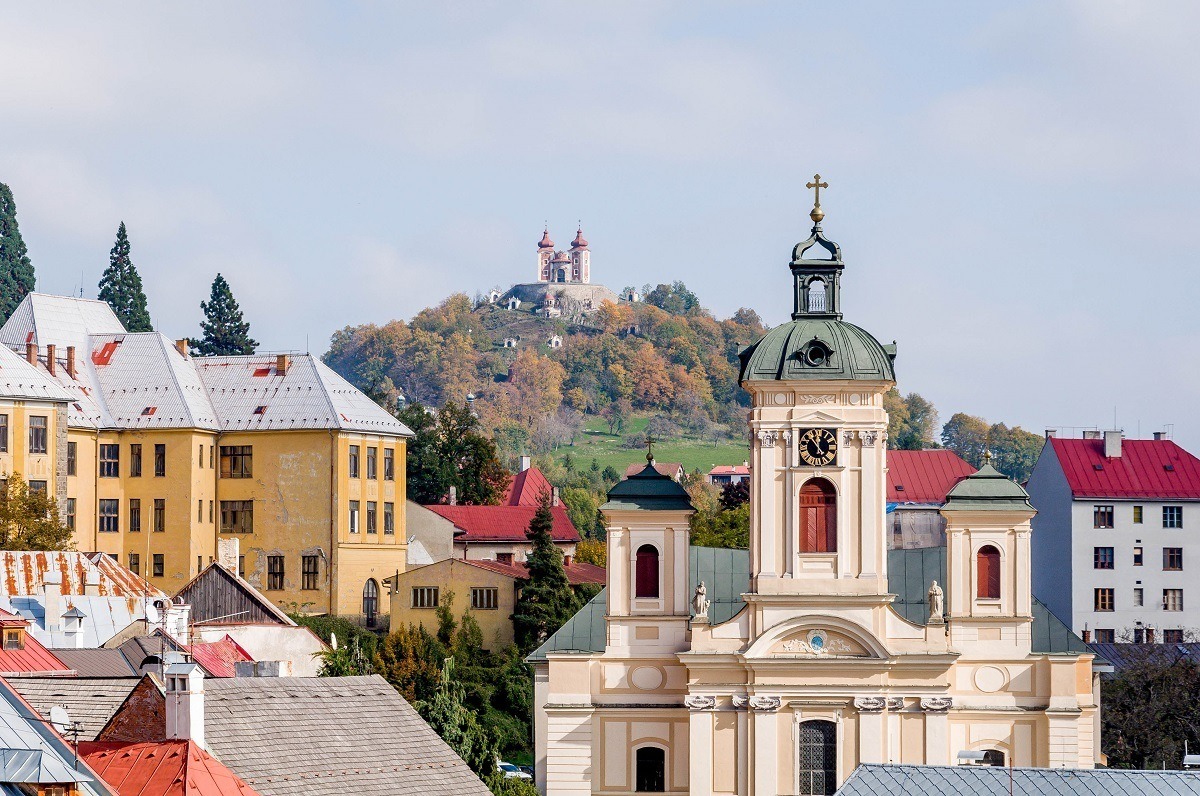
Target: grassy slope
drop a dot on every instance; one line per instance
(596, 443)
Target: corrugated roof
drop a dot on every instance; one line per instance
(98, 662)
(528, 488)
(874, 779)
(145, 382)
(219, 658)
(503, 523)
(1147, 468)
(578, 573)
(21, 380)
(32, 658)
(31, 751)
(923, 476)
(91, 701)
(163, 768)
(1122, 656)
(58, 320)
(329, 736)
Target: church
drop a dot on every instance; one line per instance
(782, 668)
(563, 284)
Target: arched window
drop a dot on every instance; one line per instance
(651, 770)
(988, 562)
(371, 601)
(818, 757)
(993, 757)
(818, 517)
(816, 295)
(646, 574)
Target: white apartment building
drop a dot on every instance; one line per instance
(1115, 537)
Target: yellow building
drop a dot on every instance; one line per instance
(33, 426)
(164, 453)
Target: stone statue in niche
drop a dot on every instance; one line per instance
(700, 602)
(935, 604)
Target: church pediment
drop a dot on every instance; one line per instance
(819, 643)
(818, 416)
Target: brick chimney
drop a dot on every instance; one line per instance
(453, 496)
(227, 554)
(1087, 637)
(51, 356)
(182, 347)
(1112, 444)
(71, 361)
(185, 702)
(554, 497)
(31, 352)
(282, 363)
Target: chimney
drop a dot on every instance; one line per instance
(50, 358)
(524, 464)
(52, 600)
(1087, 637)
(182, 347)
(71, 361)
(227, 554)
(185, 703)
(72, 628)
(282, 361)
(1091, 434)
(453, 496)
(1159, 436)
(31, 353)
(1112, 444)
(1051, 433)
(566, 561)
(91, 583)
(554, 497)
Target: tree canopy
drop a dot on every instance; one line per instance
(1014, 450)
(546, 600)
(29, 518)
(226, 332)
(121, 287)
(449, 449)
(1150, 707)
(17, 278)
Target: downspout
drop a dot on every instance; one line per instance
(214, 464)
(96, 496)
(333, 514)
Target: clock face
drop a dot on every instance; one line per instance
(818, 447)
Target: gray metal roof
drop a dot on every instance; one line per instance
(32, 752)
(1124, 655)
(21, 380)
(329, 736)
(145, 382)
(648, 490)
(779, 355)
(92, 701)
(58, 320)
(98, 662)
(907, 780)
(988, 489)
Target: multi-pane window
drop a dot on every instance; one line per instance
(71, 513)
(110, 461)
(274, 573)
(389, 464)
(160, 459)
(135, 563)
(1172, 599)
(72, 458)
(1173, 636)
(372, 512)
(354, 461)
(425, 597)
(37, 434)
(1137, 515)
(1104, 600)
(389, 518)
(818, 754)
(1172, 516)
(309, 568)
(373, 463)
(39, 487)
(1102, 517)
(135, 515)
(1139, 596)
(4, 433)
(160, 515)
(353, 516)
(1105, 636)
(237, 516)
(135, 460)
(159, 565)
(485, 598)
(1102, 557)
(110, 509)
(1173, 558)
(236, 461)
(1137, 556)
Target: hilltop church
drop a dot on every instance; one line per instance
(563, 283)
(780, 669)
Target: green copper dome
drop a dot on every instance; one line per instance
(987, 490)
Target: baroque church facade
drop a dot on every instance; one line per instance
(780, 669)
(562, 284)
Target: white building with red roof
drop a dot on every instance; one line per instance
(1115, 536)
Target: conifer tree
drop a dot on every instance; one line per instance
(16, 272)
(547, 600)
(121, 287)
(225, 332)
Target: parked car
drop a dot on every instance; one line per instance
(512, 772)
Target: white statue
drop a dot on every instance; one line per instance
(700, 602)
(935, 604)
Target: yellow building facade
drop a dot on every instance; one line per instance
(161, 454)
(465, 586)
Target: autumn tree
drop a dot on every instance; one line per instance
(912, 421)
(29, 518)
(967, 436)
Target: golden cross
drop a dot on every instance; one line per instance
(817, 185)
(650, 448)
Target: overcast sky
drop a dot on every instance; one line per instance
(1014, 186)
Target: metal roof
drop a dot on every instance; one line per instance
(21, 380)
(528, 488)
(1124, 655)
(987, 490)
(58, 320)
(163, 768)
(910, 780)
(1150, 469)
(924, 476)
(329, 736)
(98, 662)
(503, 523)
(145, 382)
(779, 355)
(91, 701)
(648, 490)
(31, 751)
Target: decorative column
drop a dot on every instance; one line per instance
(937, 730)
(894, 750)
(791, 520)
(873, 540)
(766, 745)
(870, 729)
(765, 466)
(700, 743)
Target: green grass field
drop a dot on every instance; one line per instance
(596, 443)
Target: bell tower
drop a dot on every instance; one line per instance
(545, 253)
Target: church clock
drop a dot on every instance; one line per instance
(818, 447)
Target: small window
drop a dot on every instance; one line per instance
(372, 516)
(353, 516)
(1137, 556)
(274, 573)
(651, 770)
(1172, 559)
(199, 511)
(160, 460)
(1102, 557)
(159, 565)
(14, 638)
(72, 458)
(110, 461)
(39, 487)
(1172, 516)
(425, 597)
(504, 558)
(1172, 599)
(1103, 600)
(1102, 517)
(354, 461)
(135, 460)
(71, 514)
(993, 757)
(199, 564)
(3, 433)
(237, 461)
(260, 410)
(1105, 636)
(309, 571)
(135, 563)
(373, 463)
(135, 515)
(1173, 636)
(109, 515)
(200, 456)
(160, 515)
(237, 516)
(371, 602)
(647, 572)
(1137, 515)
(389, 464)
(484, 598)
(389, 518)
(1139, 596)
(241, 566)
(37, 434)
(988, 565)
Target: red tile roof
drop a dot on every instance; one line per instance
(162, 768)
(32, 658)
(503, 523)
(218, 658)
(1139, 472)
(727, 469)
(923, 476)
(577, 573)
(528, 488)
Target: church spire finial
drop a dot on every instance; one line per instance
(650, 449)
(817, 213)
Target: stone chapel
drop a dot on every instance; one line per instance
(780, 669)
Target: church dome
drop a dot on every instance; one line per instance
(545, 242)
(579, 242)
(817, 348)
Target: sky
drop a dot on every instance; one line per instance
(1014, 186)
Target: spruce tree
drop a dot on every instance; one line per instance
(546, 601)
(121, 287)
(225, 332)
(16, 272)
